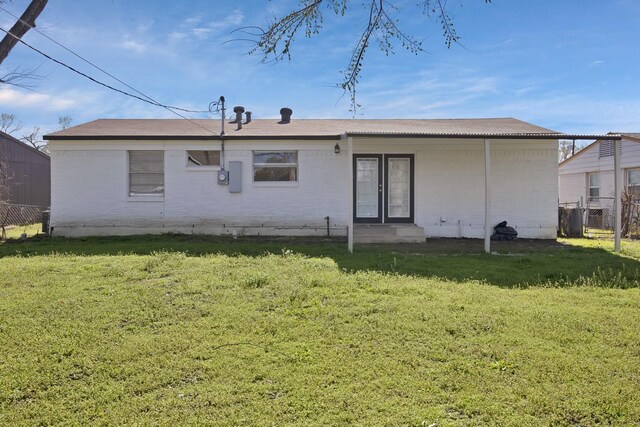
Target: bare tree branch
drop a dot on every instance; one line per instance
(274, 42)
(22, 78)
(34, 140)
(9, 123)
(64, 122)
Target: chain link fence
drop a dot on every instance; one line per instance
(11, 214)
(599, 217)
(596, 218)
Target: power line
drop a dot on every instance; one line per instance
(157, 104)
(96, 66)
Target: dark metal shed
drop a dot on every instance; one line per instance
(25, 173)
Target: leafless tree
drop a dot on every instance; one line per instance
(567, 149)
(64, 122)
(9, 123)
(34, 140)
(274, 42)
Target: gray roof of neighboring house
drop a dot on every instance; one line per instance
(6, 138)
(633, 135)
(302, 128)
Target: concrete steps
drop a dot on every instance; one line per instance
(388, 233)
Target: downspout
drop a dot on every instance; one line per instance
(350, 192)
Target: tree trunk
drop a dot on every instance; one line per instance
(20, 28)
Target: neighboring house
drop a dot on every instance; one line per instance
(587, 177)
(409, 178)
(25, 174)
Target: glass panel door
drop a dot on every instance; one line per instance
(368, 195)
(399, 185)
(398, 188)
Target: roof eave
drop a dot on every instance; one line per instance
(551, 136)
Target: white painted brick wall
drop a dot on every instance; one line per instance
(89, 188)
(450, 184)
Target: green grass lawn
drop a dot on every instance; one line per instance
(196, 330)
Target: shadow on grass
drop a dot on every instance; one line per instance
(519, 263)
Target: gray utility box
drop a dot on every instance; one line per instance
(235, 177)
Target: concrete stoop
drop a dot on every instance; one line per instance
(388, 233)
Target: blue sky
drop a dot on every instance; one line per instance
(568, 65)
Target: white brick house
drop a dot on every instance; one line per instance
(589, 173)
(114, 177)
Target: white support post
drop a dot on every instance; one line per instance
(487, 196)
(350, 184)
(617, 191)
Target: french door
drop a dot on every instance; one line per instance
(383, 187)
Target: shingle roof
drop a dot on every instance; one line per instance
(305, 128)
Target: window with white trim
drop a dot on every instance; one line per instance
(594, 184)
(633, 181)
(146, 173)
(203, 158)
(275, 166)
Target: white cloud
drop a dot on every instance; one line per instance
(201, 33)
(12, 99)
(134, 46)
(144, 26)
(194, 20)
(233, 19)
(176, 36)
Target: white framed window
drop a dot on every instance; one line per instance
(203, 159)
(146, 173)
(593, 181)
(275, 166)
(633, 181)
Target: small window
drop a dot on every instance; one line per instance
(594, 185)
(197, 158)
(275, 166)
(633, 181)
(146, 173)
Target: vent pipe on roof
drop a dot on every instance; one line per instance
(238, 110)
(285, 114)
(248, 116)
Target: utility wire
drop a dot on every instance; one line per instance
(99, 68)
(168, 108)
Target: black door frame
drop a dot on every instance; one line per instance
(383, 185)
(410, 218)
(373, 220)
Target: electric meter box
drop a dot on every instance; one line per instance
(223, 177)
